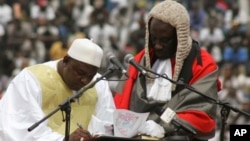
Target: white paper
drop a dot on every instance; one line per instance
(127, 123)
(98, 127)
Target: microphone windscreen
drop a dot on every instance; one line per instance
(110, 55)
(128, 58)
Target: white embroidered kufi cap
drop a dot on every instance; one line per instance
(86, 51)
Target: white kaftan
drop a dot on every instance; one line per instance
(20, 108)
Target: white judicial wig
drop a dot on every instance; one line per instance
(181, 21)
(85, 50)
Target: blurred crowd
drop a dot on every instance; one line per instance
(35, 31)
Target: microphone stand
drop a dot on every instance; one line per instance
(65, 106)
(225, 106)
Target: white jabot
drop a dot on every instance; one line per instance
(160, 89)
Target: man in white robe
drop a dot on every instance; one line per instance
(38, 90)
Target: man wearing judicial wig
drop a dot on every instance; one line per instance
(170, 50)
(38, 90)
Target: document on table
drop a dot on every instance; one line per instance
(127, 123)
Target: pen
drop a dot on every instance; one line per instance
(79, 125)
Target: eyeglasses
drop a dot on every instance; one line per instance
(163, 41)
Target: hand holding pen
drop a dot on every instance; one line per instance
(89, 136)
(80, 134)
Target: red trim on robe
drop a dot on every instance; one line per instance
(199, 120)
(207, 66)
(122, 100)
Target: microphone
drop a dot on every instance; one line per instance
(169, 117)
(111, 57)
(130, 59)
